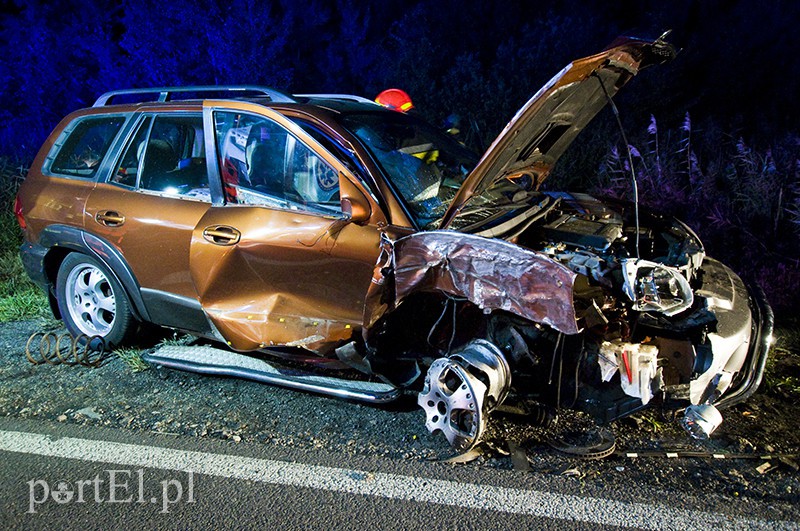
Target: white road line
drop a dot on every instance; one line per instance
(467, 495)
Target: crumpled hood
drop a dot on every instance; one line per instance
(547, 124)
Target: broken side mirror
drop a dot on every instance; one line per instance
(354, 203)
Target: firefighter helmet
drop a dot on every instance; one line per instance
(395, 99)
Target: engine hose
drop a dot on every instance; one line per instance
(58, 349)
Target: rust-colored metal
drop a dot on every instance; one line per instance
(547, 124)
(492, 274)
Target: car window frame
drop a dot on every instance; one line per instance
(103, 165)
(122, 149)
(212, 106)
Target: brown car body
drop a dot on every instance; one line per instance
(382, 255)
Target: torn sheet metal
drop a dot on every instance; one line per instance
(637, 365)
(492, 274)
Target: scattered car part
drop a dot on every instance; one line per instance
(461, 391)
(701, 420)
(55, 349)
(210, 360)
(595, 444)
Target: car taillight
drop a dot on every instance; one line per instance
(18, 213)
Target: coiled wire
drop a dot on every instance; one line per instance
(57, 349)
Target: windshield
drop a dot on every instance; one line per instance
(425, 165)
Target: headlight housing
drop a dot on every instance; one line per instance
(655, 287)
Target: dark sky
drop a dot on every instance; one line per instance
(739, 62)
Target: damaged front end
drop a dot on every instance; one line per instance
(565, 316)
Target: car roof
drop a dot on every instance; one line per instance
(190, 96)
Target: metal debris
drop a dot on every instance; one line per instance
(519, 459)
(597, 444)
(53, 349)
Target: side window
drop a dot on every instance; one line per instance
(262, 163)
(84, 145)
(128, 169)
(171, 158)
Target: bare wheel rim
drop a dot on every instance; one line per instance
(90, 300)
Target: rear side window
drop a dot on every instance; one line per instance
(84, 144)
(166, 155)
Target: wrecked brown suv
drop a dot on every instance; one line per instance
(329, 231)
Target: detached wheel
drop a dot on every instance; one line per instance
(92, 302)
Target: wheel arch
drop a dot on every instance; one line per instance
(61, 240)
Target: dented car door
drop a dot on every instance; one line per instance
(280, 262)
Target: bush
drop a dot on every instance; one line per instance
(742, 200)
(19, 297)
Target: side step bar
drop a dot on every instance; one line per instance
(210, 360)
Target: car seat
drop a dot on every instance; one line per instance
(266, 160)
(159, 159)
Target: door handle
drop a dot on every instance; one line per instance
(110, 218)
(222, 235)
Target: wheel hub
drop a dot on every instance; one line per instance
(462, 390)
(93, 306)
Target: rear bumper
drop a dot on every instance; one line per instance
(32, 256)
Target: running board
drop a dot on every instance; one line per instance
(210, 360)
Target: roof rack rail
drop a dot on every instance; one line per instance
(166, 93)
(348, 97)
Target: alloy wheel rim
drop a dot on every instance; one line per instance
(90, 300)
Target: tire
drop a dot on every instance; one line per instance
(92, 302)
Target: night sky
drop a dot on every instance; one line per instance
(739, 62)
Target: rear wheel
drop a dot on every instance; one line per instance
(92, 302)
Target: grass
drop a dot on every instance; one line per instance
(178, 339)
(132, 357)
(19, 297)
(782, 372)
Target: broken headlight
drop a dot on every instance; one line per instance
(655, 287)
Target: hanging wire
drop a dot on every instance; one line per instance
(630, 159)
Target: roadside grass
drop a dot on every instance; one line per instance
(782, 372)
(19, 297)
(178, 339)
(132, 357)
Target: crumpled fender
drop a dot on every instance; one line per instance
(493, 274)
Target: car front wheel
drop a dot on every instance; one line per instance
(91, 300)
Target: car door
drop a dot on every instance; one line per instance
(281, 262)
(148, 208)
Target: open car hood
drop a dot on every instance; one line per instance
(547, 124)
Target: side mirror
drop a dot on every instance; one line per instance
(354, 203)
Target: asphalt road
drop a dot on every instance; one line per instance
(221, 452)
(64, 476)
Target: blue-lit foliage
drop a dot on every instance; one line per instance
(738, 73)
(484, 59)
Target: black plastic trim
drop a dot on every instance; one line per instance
(74, 239)
(176, 311)
(32, 256)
